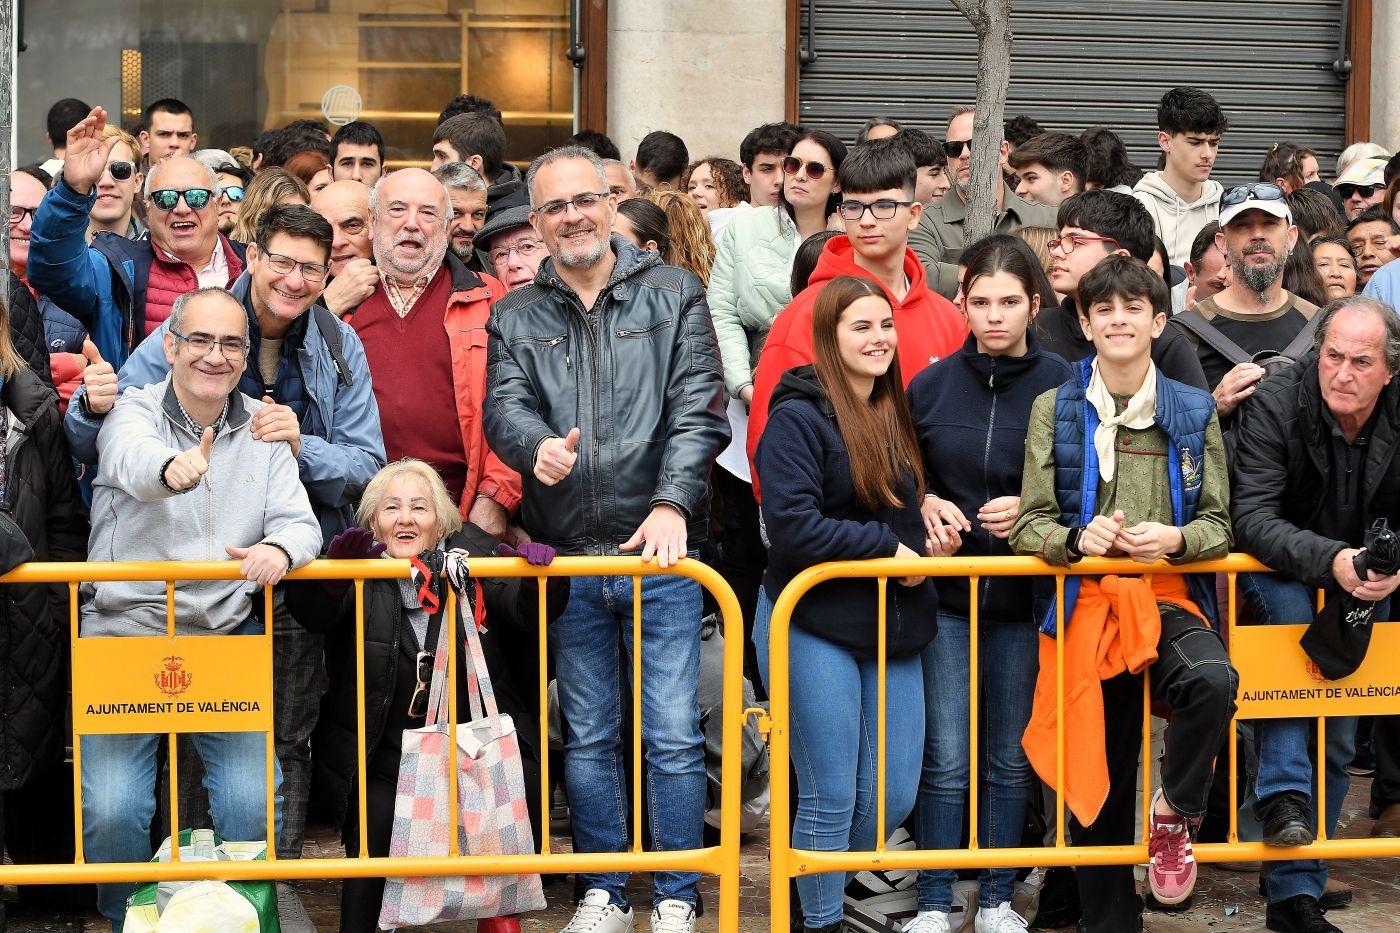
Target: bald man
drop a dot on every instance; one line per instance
(345, 204)
(185, 250)
(423, 328)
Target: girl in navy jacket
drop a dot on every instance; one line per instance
(839, 466)
(970, 414)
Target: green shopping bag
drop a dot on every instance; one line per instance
(205, 906)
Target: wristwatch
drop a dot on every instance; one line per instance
(1072, 542)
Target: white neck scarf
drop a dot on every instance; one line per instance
(1142, 407)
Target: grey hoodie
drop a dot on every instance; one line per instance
(252, 494)
(1178, 221)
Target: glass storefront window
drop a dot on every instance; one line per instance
(251, 65)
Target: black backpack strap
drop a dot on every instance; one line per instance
(1302, 343)
(1196, 323)
(329, 326)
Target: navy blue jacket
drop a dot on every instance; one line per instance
(971, 412)
(812, 516)
(1183, 412)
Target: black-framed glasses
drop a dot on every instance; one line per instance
(167, 199)
(1069, 243)
(17, 214)
(418, 703)
(232, 348)
(815, 170)
(1345, 191)
(954, 147)
(581, 202)
(1260, 191)
(121, 170)
(233, 192)
(883, 209)
(285, 265)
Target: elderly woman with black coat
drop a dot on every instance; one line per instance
(406, 511)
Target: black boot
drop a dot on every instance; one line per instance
(1298, 914)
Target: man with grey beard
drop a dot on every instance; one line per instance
(467, 191)
(424, 333)
(1254, 310)
(605, 393)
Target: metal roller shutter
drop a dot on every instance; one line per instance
(1075, 65)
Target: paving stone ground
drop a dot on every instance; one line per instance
(1225, 902)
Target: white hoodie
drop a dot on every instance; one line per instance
(1178, 221)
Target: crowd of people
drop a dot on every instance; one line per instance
(283, 350)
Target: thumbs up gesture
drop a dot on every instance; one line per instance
(556, 457)
(99, 381)
(188, 467)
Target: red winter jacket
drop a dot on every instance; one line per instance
(929, 326)
(169, 279)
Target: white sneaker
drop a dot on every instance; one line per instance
(1000, 919)
(673, 916)
(929, 921)
(597, 914)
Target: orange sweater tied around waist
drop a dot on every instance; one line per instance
(1115, 628)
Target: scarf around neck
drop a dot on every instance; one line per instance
(1138, 414)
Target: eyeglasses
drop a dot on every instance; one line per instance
(524, 250)
(167, 199)
(581, 202)
(955, 147)
(121, 171)
(1068, 244)
(1262, 191)
(1346, 191)
(883, 209)
(232, 348)
(285, 265)
(233, 192)
(17, 214)
(815, 170)
(418, 703)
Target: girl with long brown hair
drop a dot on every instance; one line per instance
(842, 480)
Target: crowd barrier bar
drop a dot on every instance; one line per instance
(721, 861)
(1254, 649)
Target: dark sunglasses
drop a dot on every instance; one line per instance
(815, 170)
(121, 171)
(955, 147)
(1262, 191)
(167, 199)
(418, 704)
(233, 192)
(1346, 191)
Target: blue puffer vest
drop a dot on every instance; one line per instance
(1183, 412)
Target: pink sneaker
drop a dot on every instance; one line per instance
(1171, 872)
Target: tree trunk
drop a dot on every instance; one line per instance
(991, 19)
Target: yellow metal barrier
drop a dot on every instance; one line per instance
(202, 683)
(1276, 680)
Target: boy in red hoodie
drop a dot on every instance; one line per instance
(877, 180)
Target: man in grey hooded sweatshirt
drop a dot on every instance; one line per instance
(1182, 198)
(181, 477)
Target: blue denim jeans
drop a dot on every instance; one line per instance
(119, 798)
(584, 644)
(833, 694)
(1008, 656)
(1287, 746)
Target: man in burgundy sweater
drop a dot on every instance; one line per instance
(424, 332)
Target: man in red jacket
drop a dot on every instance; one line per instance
(878, 212)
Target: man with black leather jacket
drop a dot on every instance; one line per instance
(604, 390)
(1315, 465)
